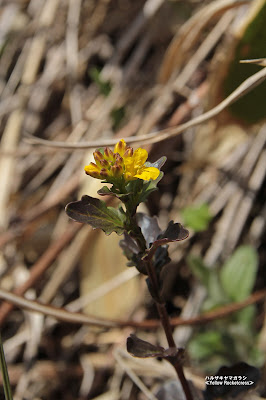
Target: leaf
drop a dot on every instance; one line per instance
(215, 290)
(197, 217)
(205, 344)
(95, 213)
(239, 273)
(149, 227)
(129, 243)
(174, 233)
(103, 86)
(105, 191)
(246, 317)
(142, 349)
(157, 164)
(149, 187)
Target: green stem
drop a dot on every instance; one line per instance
(6, 383)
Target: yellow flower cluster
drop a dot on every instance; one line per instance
(122, 162)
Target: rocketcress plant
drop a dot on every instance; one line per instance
(133, 179)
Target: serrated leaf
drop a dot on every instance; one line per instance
(95, 213)
(197, 217)
(239, 273)
(174, 232)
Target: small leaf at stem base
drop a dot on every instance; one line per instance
(142, 349)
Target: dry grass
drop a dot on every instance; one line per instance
(156, 61)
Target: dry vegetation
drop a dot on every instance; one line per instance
(92, 71)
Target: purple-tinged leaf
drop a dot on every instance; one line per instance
(174, 233)
(149, 227)
(142, 349)
(95, 213)
(129, 243)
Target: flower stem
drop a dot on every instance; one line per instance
(165, 321)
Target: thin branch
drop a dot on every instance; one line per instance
(79, 318)
(245, 87)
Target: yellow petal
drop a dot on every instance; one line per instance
(148, 173)
(93, 170)
(139, 157)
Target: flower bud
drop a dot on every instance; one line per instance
(104, 163)
(120, 147)
(108, 154)
(129, 152)
(118, 159)
(97, 157)
(104, 173)
(116, 170)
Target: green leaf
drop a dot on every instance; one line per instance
(95, 213)
(206, 344)
(105, 87)
(246, 317)
(197, 217)
(215, 290)
(239, 273)
(199, 269)
(105, 191)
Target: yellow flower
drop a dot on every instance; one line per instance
(122, 162)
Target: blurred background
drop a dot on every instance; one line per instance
(84, 71)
